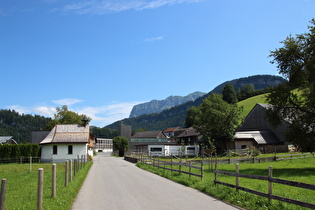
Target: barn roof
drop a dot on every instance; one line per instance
(261, 137)
(72, 133)
(149, 134)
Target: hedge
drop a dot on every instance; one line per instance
(19, 150)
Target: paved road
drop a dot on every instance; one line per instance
(115, 184)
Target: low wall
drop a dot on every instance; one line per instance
(131, 159)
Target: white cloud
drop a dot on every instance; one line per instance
(67, 101)
(112, 6)
(153, 39)
(101, 116)
(45, 111)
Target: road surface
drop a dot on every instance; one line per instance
(115, 184)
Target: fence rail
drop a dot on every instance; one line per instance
(162, 164)
(270, 180)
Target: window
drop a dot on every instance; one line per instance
(70, 149)
(243, 146)
(154, 149)
(55, 150)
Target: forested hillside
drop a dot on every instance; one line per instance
(157, 106)
(175, 116)
(19, 125)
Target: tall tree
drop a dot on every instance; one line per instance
(120, 144)
(65, 116)
(217, 120)
(229, 94)
(294, 101)
(190, 116)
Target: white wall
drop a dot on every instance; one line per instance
(62, 152)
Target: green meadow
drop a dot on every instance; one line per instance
(300, 170)
(22, 183)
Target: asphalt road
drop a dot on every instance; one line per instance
(115, 184)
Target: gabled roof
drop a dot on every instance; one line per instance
(261, 137)
(7, 139)
(188, 132)
(149, 134)
(72, 133)
(172, 129)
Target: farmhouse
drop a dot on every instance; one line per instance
(172, 132)
(257, 132)
(66, 142)
(189, 136)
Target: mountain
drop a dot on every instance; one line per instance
(175, 116)
(157, 106)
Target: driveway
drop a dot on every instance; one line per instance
(115, 184)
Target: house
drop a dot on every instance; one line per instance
(173, 132)
(257, 132)
(7, 140)
(139, 141)
(189, 136)
(67, 141)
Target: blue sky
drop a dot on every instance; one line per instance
(101, 57)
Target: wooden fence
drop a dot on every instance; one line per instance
(71, 167)
(169, 165)
(270, 180)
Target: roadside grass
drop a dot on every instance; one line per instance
(21, 189)
(300, 170)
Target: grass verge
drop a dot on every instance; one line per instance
(301, 170)
(21, 192)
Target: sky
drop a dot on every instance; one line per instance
(102, 57)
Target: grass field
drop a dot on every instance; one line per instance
(21, 192)
(248, 104)
(300, 170)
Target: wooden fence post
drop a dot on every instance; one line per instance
(171, 163)
(180, 166)
(269, 183)
(30, 163)
(71, 176)
(53, 185)
(3, 191)
(215, 174)
(74, 167)
(189, 169)
(40, 189)
(237, 176)
(201, 169)
(66, 173)
(78, 168)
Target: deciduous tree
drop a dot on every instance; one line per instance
(294, 101)
(217, 120)
(65, 116)
(121, 144)
(229, 94)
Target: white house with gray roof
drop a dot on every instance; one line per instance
(65, 142)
